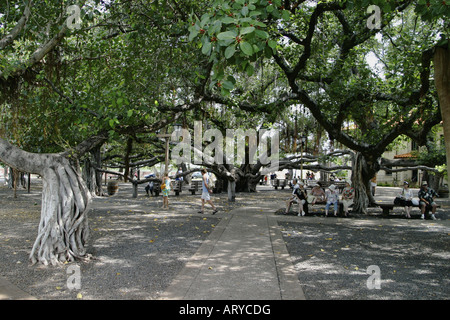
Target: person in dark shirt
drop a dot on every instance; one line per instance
(299, 196)
(426, 200)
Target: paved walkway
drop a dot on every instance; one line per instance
(8, 291)
(244, 258)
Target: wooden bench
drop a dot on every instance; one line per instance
(178, 185)
(340, 185)
(195, 186)
(388, 207)
(279, 183)
(308, 207)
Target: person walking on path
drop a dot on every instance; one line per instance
(206, 190)
(348, 193)
(332, 199)
(426, 200)
(165, 189)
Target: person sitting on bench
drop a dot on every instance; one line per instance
(317, 195)
(426, 200)
(332, 199)
(348, 194)
(405, 199)
(298, 195)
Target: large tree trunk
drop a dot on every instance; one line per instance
(91, 175)
(362, 172)
(442, 81)
(63, 229)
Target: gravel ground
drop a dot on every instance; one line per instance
(333, 256)
(138, 249)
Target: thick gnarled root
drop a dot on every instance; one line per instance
(63, 229)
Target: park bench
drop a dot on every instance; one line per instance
(195, 186)
(388, 207)
(177, 187)
(279, 183)
(307, 208)
(340, 185)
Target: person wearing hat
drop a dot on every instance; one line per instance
(348, 193)
(298, 195)
(332, 199)
(406, 198)
(426, 200)
(317, 195)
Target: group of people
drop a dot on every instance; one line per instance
(426, 197)
(166, 187)
(330, 197)
(318, 195)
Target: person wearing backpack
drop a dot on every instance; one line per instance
(206, 190)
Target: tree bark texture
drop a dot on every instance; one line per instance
(362, 172)
(63, 228)
(442, 82)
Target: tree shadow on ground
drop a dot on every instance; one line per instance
(137, 248)
(332, 259)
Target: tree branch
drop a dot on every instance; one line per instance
(9, 38)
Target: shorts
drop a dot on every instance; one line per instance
(294, 199)
(205, 196)
(429, 206)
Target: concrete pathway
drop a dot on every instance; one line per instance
(244, 258)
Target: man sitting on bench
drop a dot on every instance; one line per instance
(426, 200)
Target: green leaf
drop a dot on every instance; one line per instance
(255, 13)
(205, 20)
(227, 35)
(250, 70)
(192, 35)
(262, 34)
(244, 11)
(247, 30)
(228, 20)
(272, 44)
(206, 49)
(229, 51)
(232, 79)
(224, 92)
(228, 85)
(246, 48)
